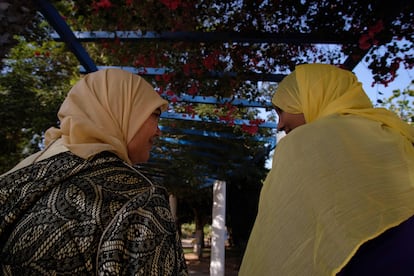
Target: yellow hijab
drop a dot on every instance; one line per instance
(341, 179)
(103, 111)
(318, 90)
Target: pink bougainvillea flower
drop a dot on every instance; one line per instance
(253, 126)
(174, 99)
(160, 90)
(256, 122)
(193, 89)
(190, 110)
(167, 77)
(211, 60)
(250, 129)
(170, 93)
(171, 4)
(378, 27)
(102, 4)
(186, 69)
(364, 42)
(228, 118)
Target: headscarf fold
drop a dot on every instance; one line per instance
(103, 111)
(343, 178)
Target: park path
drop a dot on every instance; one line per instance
(201, 267)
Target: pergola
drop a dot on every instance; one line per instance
(216, 149)
(354, 46)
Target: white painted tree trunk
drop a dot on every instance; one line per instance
(218, 234)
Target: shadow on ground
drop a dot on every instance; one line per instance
(201, 266)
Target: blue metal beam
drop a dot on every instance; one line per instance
(215, 134)
(150, 71)
(183, 142)
(214, 100)
(190, 98)
(66, 34)
(207, 147)
(204, 154)
(87, 65)
(211, 158)
(245, 37)
(182, 116)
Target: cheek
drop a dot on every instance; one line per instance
(154, 128)
(300, 120)
(282, 120)
(138, 151)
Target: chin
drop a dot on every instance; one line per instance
(140, 160)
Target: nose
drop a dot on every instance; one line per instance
(280, 125)
(158, 132)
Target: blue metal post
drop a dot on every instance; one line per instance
(66, 34)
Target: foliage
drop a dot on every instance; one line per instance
(188, 230)
(35, 79)
(383, 28)
(18, 17)
(402, 103)
(49, 68)
(361, 25)
(222, 68)
(189, 156)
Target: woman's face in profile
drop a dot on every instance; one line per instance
(140, 146)
(289, 121)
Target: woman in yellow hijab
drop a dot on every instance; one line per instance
(340, 195)
(79, 207)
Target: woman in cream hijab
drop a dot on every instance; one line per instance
(79, 207)
(340, 195)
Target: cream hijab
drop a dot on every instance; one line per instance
(341, 179)
(102, 112)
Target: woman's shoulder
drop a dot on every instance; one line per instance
(331, 132)
(112, 174)
(334, 126)
(314, 132)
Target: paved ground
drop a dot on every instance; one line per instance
(201, 267)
